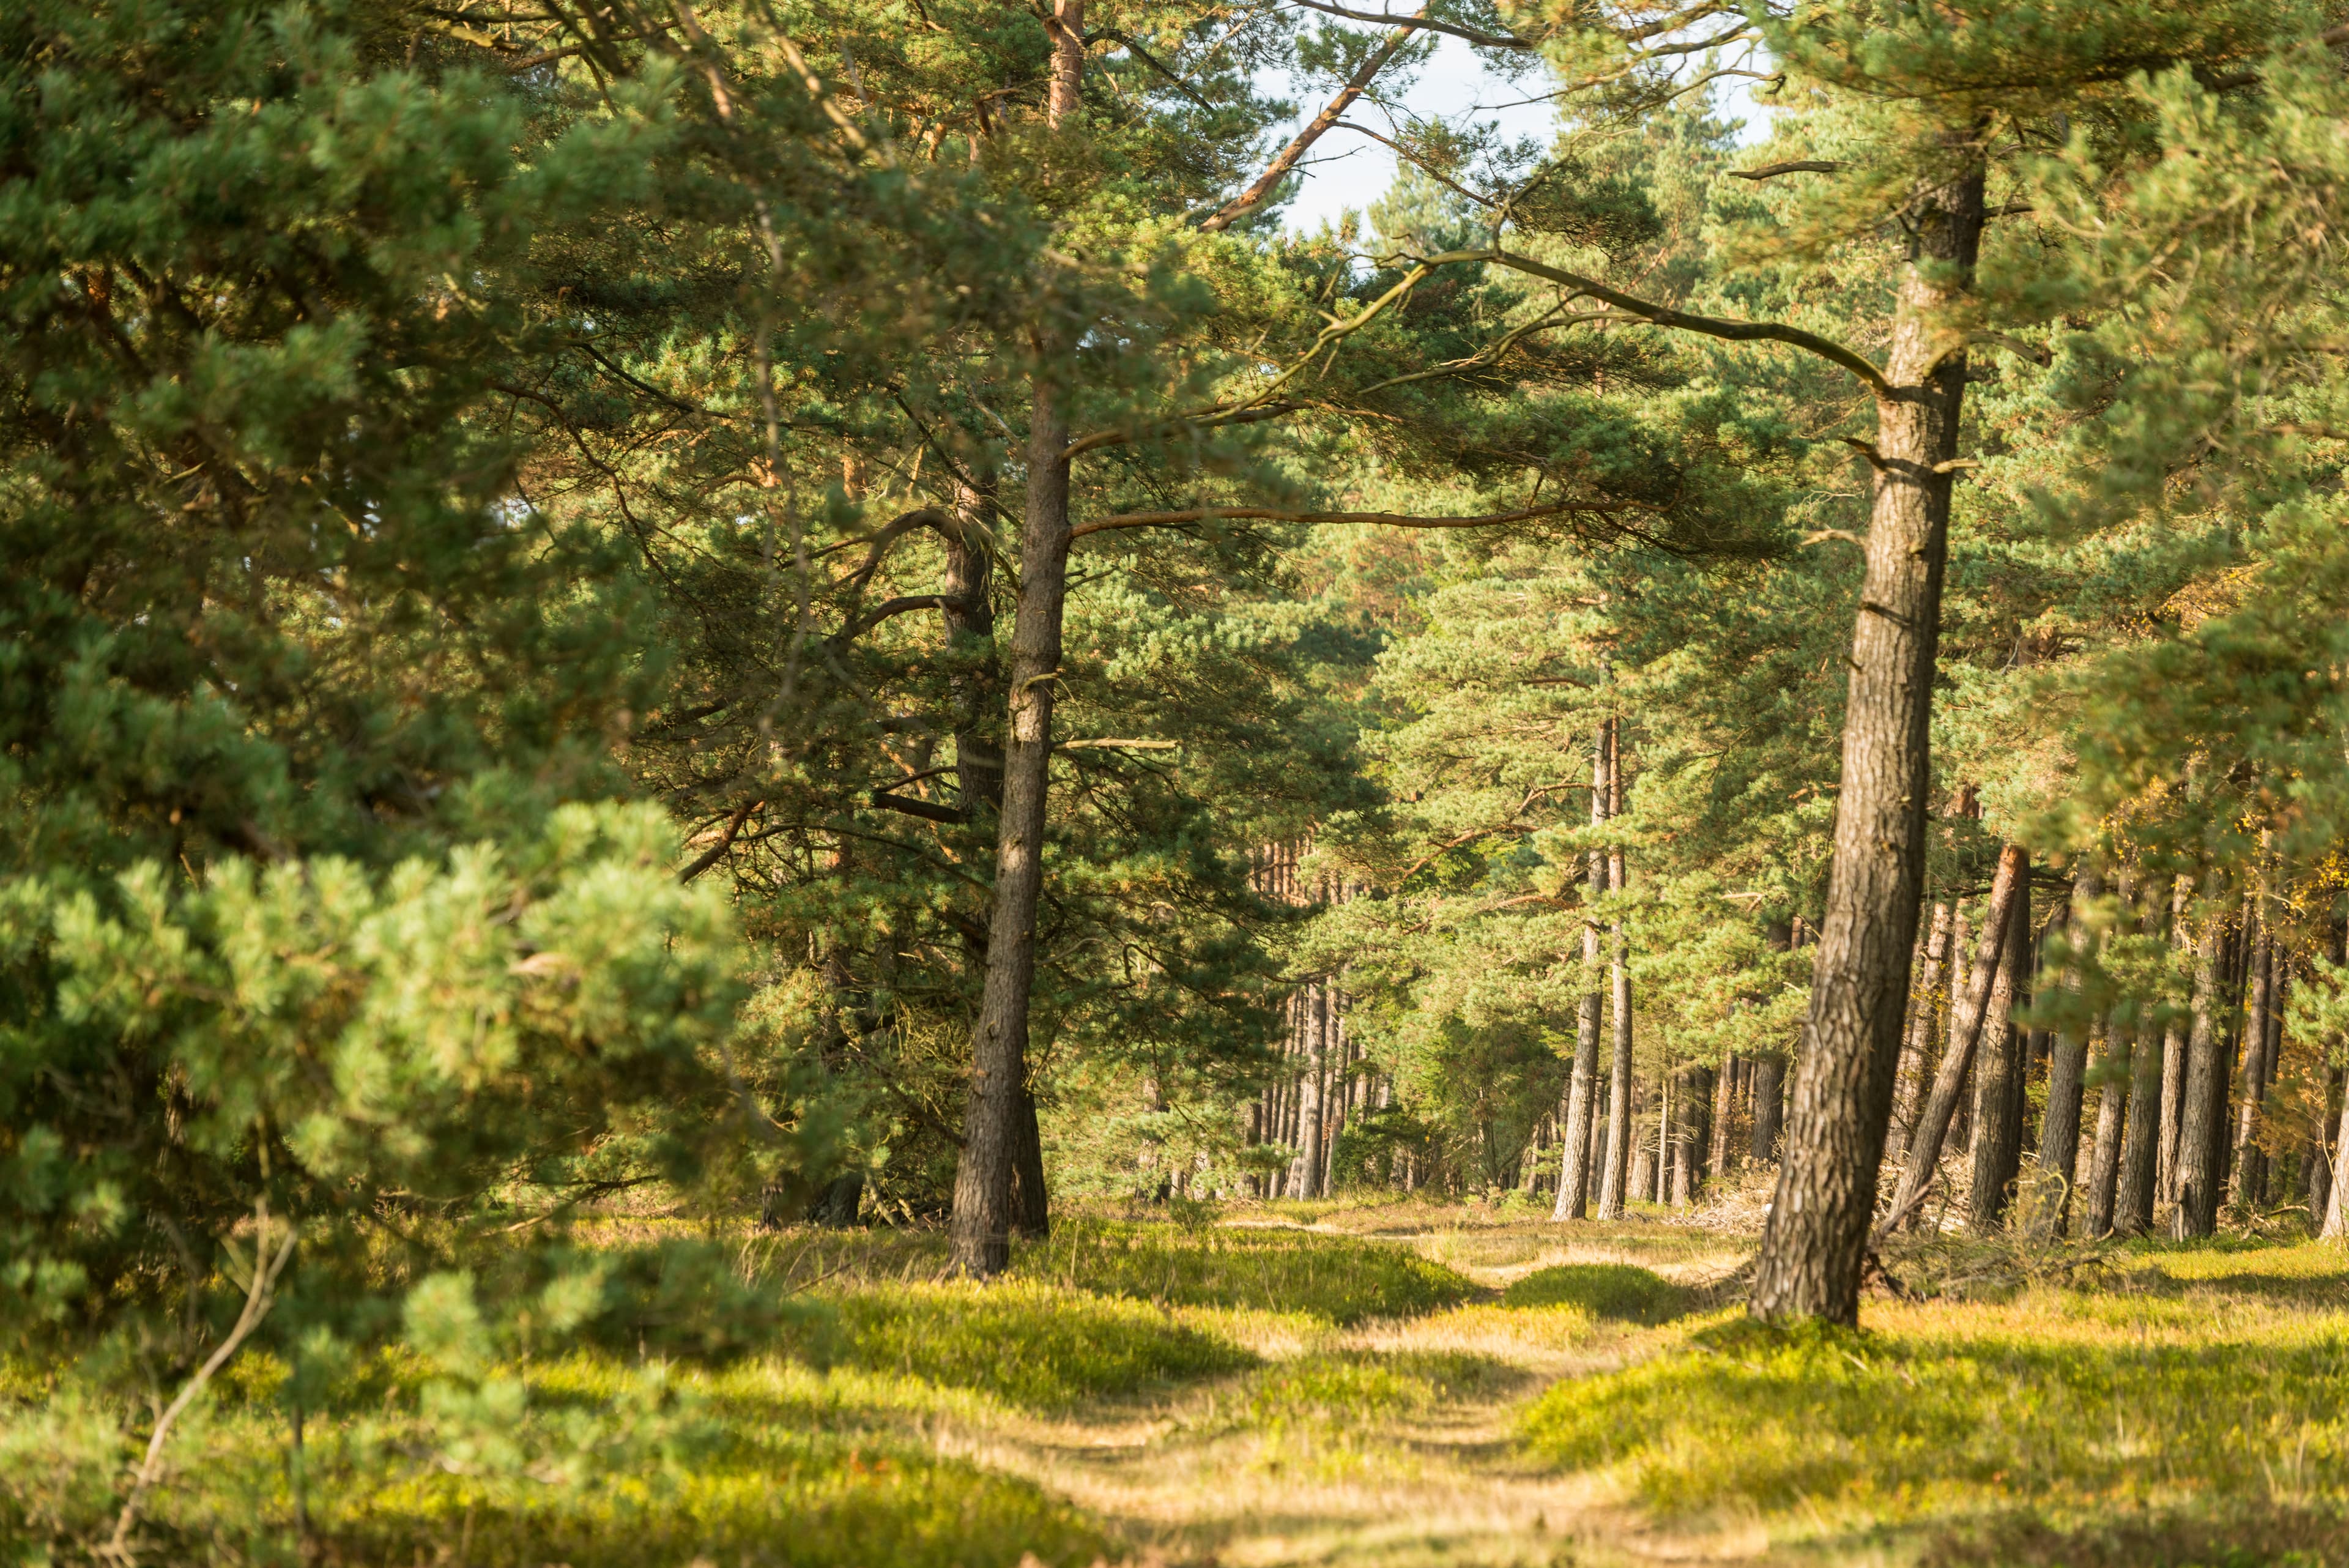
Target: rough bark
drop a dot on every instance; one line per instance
(1305, 1172)
(1968, 1007)
(980, 1233)
(1813, 1245)
(1573, 1164)
(2195, 1184)
(1616, 1174)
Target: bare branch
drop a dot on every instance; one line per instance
(1261, 190)
(1482, 41)
(1798, 166)
(1382, 519)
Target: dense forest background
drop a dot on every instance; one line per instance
(788, 614)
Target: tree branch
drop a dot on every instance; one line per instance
(1482, 41)
(1799, 166)
(1261, 190)
(1383, 519)
(1681, 321)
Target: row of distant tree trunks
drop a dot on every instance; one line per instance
(1695, 1123)
(2148, 1122)
(1325, 1080)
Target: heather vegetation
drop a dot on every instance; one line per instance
(773, 788)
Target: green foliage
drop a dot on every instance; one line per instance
(2173, 1389)
(1339, 1279)
(1621, 1292)
(1025, 1342)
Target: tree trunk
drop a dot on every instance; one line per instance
(1918, 1052)
(980, 1233)
(1305, 1172)
(2112, 1107)
(2251, 1166)
(1717, 1141)
(1968, 1008)
(2067, 1065)
(1616, 1174)
(2194, 1190)
(1574, 1166)
(1769, 1102)
(1998, 1122)
(1814, 1243)
(2173, 1053)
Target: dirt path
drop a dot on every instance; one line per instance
(1387, 1446)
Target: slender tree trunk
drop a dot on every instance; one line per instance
(1769, 1103)
(2112, 1107)
(1998, 1125)
(1916, 1057)
(1815, 1242)
(980, 1233)
(2067, 1065)
(1618, 1170)
(1305, 1174)
(2173, 1052)
(2196, 1191)
(1574, 1166)
(1968, 1007)
(1724, 1084)
(2250, 1172)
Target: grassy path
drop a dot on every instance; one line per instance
(1377, 1386)
(1390, 1443)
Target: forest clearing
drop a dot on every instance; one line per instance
(872, 782)
(1384, 1382)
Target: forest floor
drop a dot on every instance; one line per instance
(1381, 1384)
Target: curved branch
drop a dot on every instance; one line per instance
(1681, 321)
(1383, 519)
(1798, 166)
(906, 605)
(1482, 41)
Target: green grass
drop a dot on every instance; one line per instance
(1340, 1279)
(2163, 1414)
(1023, 1341)
(1614, 1292)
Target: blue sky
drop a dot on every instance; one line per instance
(1351, 170)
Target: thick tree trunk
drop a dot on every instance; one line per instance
(1581, 1102)
(1813, 1245)
(1617, 1172)
(1968, 1007)
(1922, 1022)
(980, 1233)
(2068, 1067)
(2196, 1185)
(1998, 1073)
